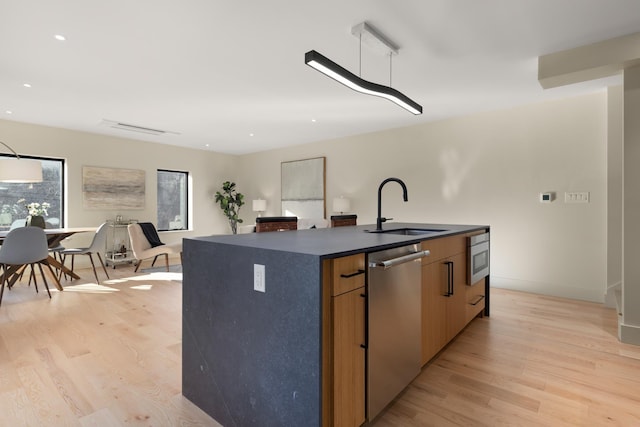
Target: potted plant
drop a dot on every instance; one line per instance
(230, 202)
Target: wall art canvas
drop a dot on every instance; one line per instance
(113, 189)
(303, 188)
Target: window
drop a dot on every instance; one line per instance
(173, 200)
(15, 197)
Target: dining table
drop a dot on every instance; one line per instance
(54, 237)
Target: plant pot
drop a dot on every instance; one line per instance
(36, 221)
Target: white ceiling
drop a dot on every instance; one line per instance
(217, 71)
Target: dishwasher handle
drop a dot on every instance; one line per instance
(400, 260)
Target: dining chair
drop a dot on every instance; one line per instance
(98, 245)
(148, 245)
(24, 246)
(55, 250)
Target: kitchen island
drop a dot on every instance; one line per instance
(264, 357)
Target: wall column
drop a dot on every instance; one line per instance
(629, 323)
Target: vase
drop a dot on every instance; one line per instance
(36, 221)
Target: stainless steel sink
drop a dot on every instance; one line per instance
(409, 231)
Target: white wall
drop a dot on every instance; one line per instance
(208, 171)
(482, 169)
(629, 325)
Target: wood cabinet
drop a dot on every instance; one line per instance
(344, 302)
(448, 304)
(444, 293)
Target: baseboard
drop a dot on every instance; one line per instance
(628, 334)
(552, 289)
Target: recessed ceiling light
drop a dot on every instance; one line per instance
(60, 37)
(9, 112)
(27, 85)
(250, 134)
(313, 120)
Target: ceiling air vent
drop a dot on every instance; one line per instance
(136, 128)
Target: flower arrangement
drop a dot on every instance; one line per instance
(37, 209)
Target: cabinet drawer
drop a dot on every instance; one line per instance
(475, 300)
(348, 273)
(444, 247)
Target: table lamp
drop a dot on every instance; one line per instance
(259, 205)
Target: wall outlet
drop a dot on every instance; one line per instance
(258, 278)
(576, 197)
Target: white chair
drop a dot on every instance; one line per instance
(24, 246)
(142, 249)
(97, 246)
(18, 223)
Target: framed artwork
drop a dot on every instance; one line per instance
(113, 189)
(303, 188)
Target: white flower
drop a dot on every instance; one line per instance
(37, 209)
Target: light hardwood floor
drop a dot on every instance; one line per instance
(95, 355)
(537, 361)
(110, 355)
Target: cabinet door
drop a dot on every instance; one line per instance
(434, 309)
(349, 359)
(456, 303)
(443, 303)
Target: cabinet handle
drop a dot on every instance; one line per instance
(449, 278)
(357, 273)
(451, 267)
(480, 298)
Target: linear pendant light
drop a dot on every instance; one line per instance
(347, 78)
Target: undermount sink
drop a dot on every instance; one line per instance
(408, 231)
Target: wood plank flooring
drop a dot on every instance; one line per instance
(537, 361)
(95, 355)
(110, 355)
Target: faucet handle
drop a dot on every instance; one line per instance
(383, 219)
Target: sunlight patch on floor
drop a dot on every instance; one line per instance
(90, 288)
(142, 287)
(160, 275)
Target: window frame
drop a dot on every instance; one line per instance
(63, 183)
(185, 218)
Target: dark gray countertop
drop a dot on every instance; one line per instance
(339, 241)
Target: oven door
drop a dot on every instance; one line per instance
(478, 267)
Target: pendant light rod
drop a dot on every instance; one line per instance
(329, 68)
(11, 149)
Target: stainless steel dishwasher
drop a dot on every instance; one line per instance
(394, 324)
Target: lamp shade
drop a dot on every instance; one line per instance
(340, 204)
(259, 205)
(20, 170)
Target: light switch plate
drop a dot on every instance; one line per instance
(258, 278)
(576, 197)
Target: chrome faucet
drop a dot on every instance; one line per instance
(381, 219)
